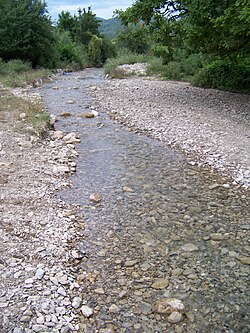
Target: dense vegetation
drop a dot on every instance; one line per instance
(27, 34)
(205, 41)
(208, 40)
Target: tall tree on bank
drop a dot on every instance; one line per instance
(25, 31)
(212, 26)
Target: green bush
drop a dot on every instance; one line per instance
(155, 66)
(172, 71)
(224, 75)
(14, 66)
(68, 53)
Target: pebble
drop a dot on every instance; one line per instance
(40, 273)
(160, 284)
(76, 302)
(86, 311)
(175, 317)
(95, 197)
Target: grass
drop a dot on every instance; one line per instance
(22, 79)
(36, 121)
(17, 73)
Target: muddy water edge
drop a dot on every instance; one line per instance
(162, 229)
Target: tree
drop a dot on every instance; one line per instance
(134, 38)
(212, 26)
(86, 25)
(25, 31)
(66, 22)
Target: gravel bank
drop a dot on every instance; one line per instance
(37, 287)
(212, 127)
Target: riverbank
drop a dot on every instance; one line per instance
(155, 228)
(211, 127)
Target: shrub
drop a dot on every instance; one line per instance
(14, 66)
(155, 66)
(225, 75)
(172, 71)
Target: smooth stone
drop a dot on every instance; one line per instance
(65, 114)
(175, 317)
(160, 284)
(127, 189)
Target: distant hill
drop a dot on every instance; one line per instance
(110, 27)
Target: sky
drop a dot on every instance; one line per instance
(102, 8)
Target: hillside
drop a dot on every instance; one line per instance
(109, 27)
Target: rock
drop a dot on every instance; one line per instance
(130, 263)
(218, 237)
(244, 260)
(40, 328)
(127, 189)
(40, 273)
(86, 311)
(17, 330)
(114, 308)
(146, 308)
(175, 317)
(168, 305)
(25, 319)
(189, 247)
(65, 114)
(95, 113)
(52, 119)
(57, 135)
(59, 169)
(61, 291)
(99, 291)
(22, 115)
(95, 197)
(40, 320)
(71, 138)
(76, 302)
(88, 115)
(70, 102)
(160, 284)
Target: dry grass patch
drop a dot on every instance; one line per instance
(23, 113)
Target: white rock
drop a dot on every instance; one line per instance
(22, 115)
(40, 273)
(86, 311)
(76, 302)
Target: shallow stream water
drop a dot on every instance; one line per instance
(158, 218)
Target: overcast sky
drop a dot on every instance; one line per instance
(102, 8)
